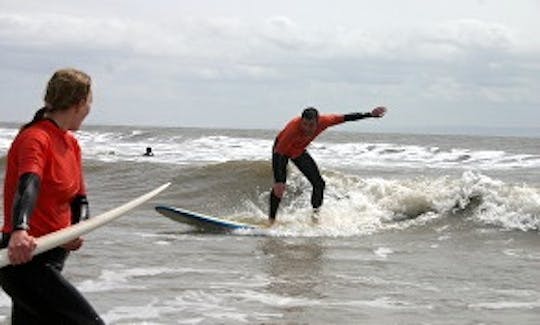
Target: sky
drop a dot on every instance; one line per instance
(461, 66)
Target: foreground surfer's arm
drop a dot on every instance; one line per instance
(21, 244)
(376, 112)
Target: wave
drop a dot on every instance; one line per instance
(185, 147)
(219, 173)
(217, 149)
(414, 156)
(353, 205)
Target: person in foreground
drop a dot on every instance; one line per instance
(44, 191)
(291, 144)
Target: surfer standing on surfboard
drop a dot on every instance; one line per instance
(44, 191)
(291, 144)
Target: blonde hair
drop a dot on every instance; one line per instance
(66, 88)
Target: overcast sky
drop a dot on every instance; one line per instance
(461, 65)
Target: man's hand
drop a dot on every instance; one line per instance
(20, 247)
(378, 111)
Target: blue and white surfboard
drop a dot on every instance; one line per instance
(201, 221)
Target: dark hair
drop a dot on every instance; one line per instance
(66, 88)
(310, 113)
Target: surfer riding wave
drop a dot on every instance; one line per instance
(291, 144)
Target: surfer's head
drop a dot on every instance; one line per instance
(310, 113)
(310, 121)
(67, 90)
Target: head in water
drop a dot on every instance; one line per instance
(310, 121)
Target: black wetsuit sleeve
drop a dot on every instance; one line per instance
(25, 200)
(80, 209)
(356, 116)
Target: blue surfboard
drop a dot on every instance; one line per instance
(201, 221)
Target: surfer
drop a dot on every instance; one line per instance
(291, 144)
(44, 191)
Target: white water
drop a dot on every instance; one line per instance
(412, 231)
(112, 146)
(361, 206)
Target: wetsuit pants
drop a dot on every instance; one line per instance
(308, 167)
(41, 295)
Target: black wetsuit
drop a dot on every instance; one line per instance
(39, 292)
(41, 295)
(307, 166)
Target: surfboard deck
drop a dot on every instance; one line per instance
(65, 235)
(201, 221)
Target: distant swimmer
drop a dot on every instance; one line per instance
(291, 143)
(148, 152)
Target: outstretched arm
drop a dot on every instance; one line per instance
(376, 112)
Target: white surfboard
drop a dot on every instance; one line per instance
(65, 235)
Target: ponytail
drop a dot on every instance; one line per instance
(40, 115)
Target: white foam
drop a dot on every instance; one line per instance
(274, 299)
(355, 206)
(5, 301)
(384, 303)
(413, 156)
(383, 283)
(506, 305)
(211, 304)
(129, 145)
(124, 279)
(120, 279)
(145, 312)
(176, 150)
(383, 252)
(520, 253)
(6, 137)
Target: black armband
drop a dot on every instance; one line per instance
(25, 200)
(356, 116)
(80, 209)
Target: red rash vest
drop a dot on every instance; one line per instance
(291, 141)
(55, 156)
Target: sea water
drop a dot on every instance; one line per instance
(415, 229)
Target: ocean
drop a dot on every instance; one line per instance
(415, 229)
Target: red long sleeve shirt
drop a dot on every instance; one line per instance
(55, 156)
